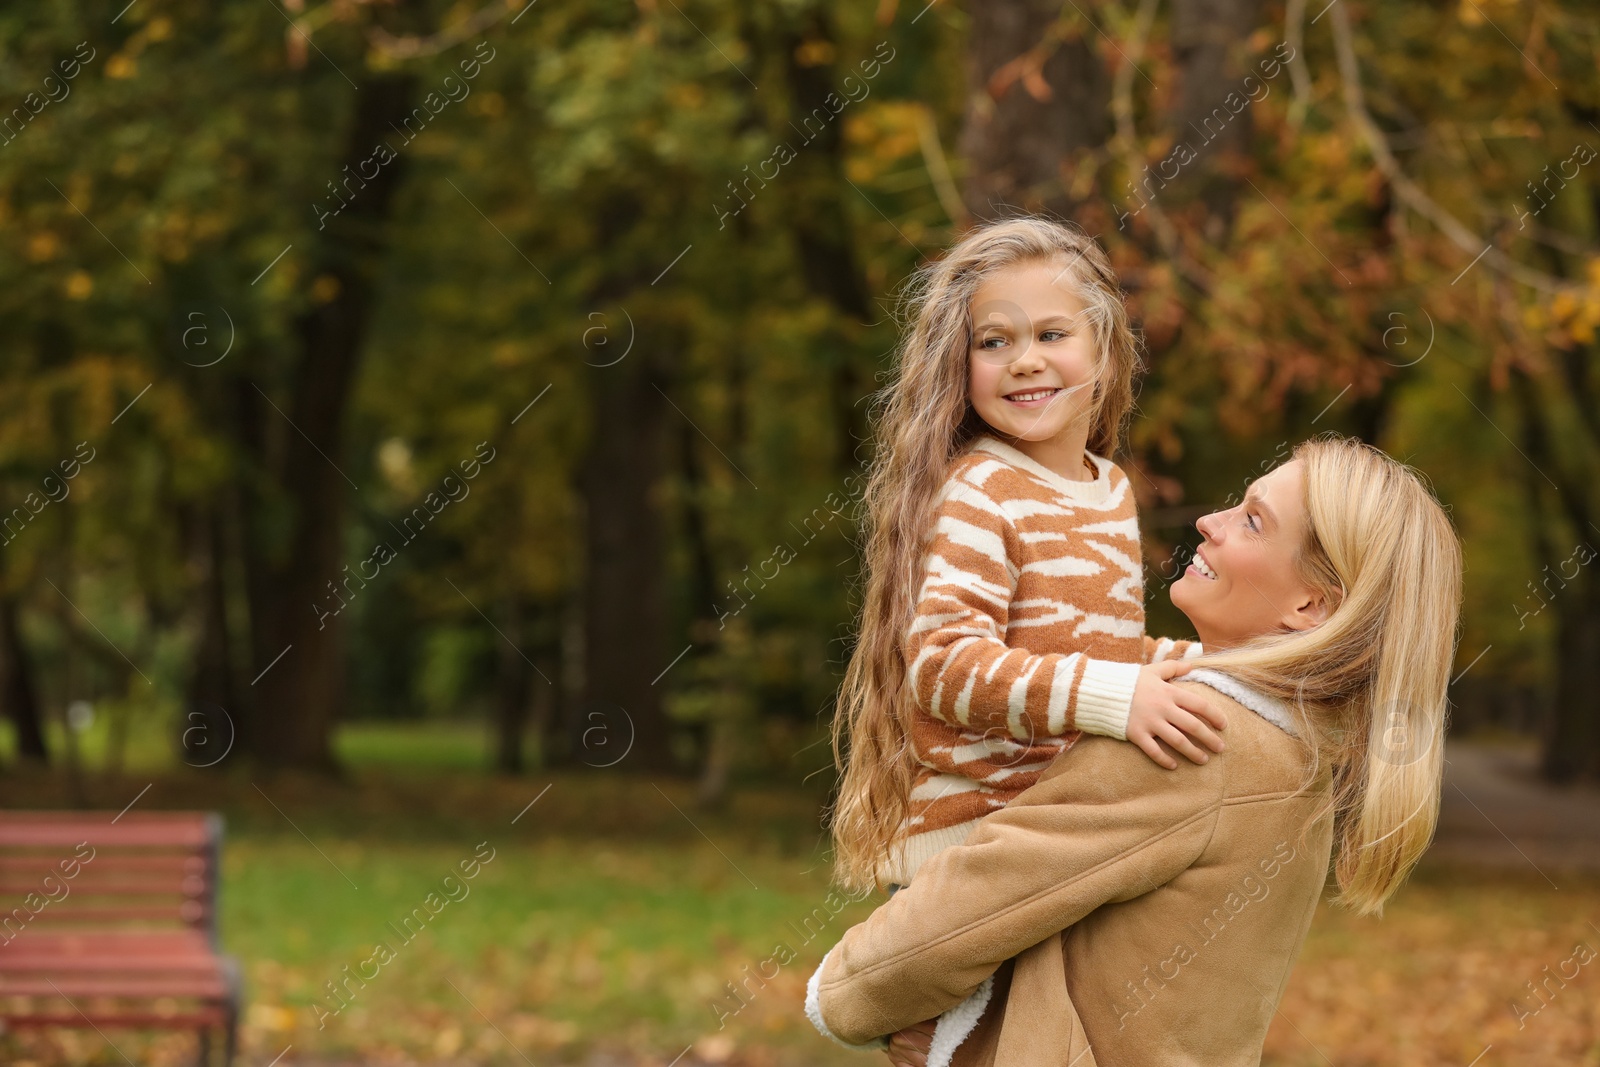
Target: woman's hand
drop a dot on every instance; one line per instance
(909, 1047)
(1162, 710)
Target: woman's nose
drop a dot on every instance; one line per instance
(1206, 524)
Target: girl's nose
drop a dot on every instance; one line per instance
(1028, 357)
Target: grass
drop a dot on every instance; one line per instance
(614, 913)
(152, 744)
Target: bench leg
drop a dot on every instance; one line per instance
(230, 1026)
(230, 1035)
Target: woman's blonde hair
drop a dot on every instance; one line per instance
(925, 420)
(1368, 683)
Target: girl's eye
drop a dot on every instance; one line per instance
(992, 342)
(1052, 335)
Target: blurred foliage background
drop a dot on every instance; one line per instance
(485, 387)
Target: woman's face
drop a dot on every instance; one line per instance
(1243, 582)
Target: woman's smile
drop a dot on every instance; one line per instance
(1244, 580)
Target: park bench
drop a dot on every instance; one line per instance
(110, 921)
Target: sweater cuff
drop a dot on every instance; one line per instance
(1105, 695)
(814, 1013)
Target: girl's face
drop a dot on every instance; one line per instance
(1243, 582)
(1032, 364)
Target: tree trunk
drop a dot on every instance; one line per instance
(702, 605)
(1572, 742)
(298, 650)
(822, 231)
(511, 693)
(1207, 37)
(18, 696)
(560, 741)
(209, 729)
(1037, 95)
(623, 722)
(1572, 747)
(545, 707)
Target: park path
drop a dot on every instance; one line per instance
(1496, 812)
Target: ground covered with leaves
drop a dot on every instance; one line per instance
(606, 923)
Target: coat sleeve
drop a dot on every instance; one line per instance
(1106, 824)
(961, 670)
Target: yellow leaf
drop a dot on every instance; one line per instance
(43, 246)
(271, 1017)
(487, 103)
(814, 53)
(324, 289)
(448, 1041)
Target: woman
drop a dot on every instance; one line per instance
(1121, 911)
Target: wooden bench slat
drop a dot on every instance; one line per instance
(48, 862)
(189, 1020)
(191, 885)
(152, 964)
(143, 988)
(170, 940)
(167, 830)
(103, 915)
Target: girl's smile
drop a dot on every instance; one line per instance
(1033, 365)
(1033, 397)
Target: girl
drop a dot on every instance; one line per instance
(1004, 610)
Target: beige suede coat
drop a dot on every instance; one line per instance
(1130, 915)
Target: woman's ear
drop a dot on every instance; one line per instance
(1308, 612)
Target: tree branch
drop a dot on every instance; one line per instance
(1407, 190)
(1294, 33)
(411, 47)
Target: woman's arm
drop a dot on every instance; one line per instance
(1104, 825)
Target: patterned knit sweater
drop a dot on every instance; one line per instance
(1029, 630)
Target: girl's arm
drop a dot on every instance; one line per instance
(1159, 649)
(963, 673)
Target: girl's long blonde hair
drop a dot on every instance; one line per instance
(1368, 683)
(926, 419)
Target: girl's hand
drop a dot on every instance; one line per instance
(909, 1047)
(1162, 710)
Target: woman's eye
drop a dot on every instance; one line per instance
(1250, 520)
